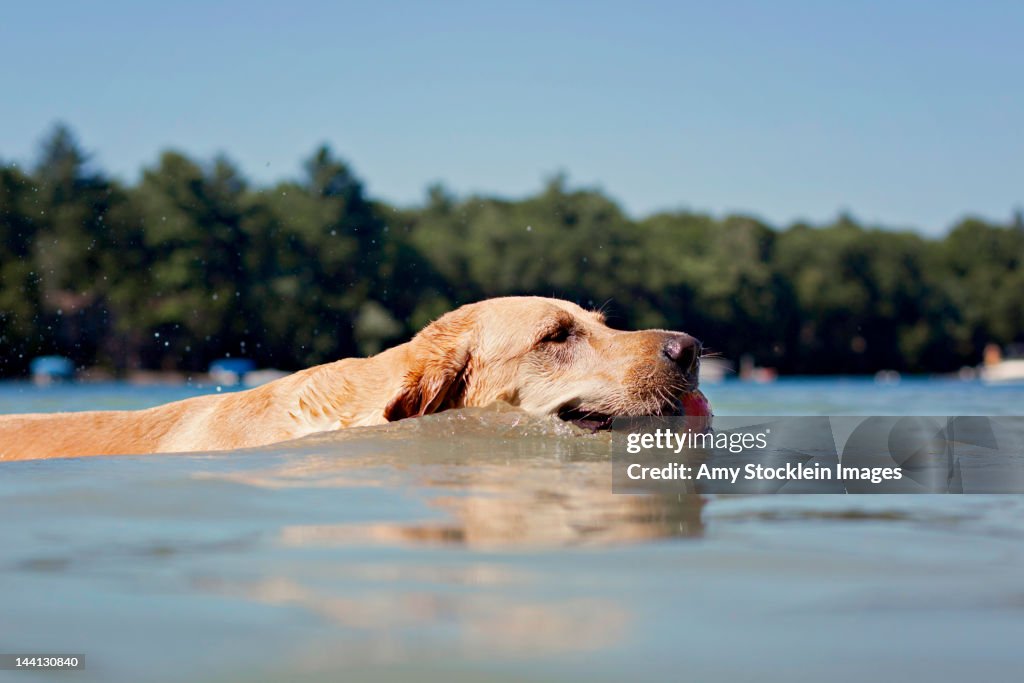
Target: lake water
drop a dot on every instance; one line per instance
(484, 545)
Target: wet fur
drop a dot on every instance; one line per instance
(498, 349)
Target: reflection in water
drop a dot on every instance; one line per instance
(491, 624)
(531, 504)
(531, 519)
(497, 481)
(503, 479)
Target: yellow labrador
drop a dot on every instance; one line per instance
(548, 356)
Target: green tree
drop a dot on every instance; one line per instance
(74, 202)
(193, 263)
(20, 304)
(183, 296)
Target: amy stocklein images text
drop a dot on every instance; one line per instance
(818, 454)
(787, 472)
(735, 442)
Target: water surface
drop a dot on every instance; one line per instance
(485, 545)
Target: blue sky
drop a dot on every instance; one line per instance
(904, 113)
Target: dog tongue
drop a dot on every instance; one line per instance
(695, 404)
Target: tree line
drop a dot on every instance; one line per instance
(194, 263)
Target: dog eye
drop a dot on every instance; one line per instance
(558, 335)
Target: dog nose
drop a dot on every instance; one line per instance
(683, 350)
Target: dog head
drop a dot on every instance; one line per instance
(549, 357)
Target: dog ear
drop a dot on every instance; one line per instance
(440, 367)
